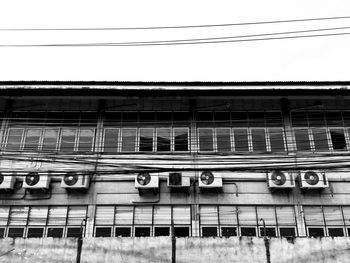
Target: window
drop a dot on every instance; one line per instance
(143, 215)
(124, 215)
(57, 215)
(111, 140)
(162, 215)
(223, 139)
(258, 140)
(32, 139)
(228, 231)
(15, 232)
(68, 140)
(316, 232)
(302, 139)
(37, 215)
(163, 140)
(241, 140)
(50, 138)
(338, 139)
(35, 232)
(161, 231)
(228, 215)
(142, 231)
(205, 139)
(14, 139)
(86, 139)
(180, 139)
(2, 232)
(18, 215)
(55, 232)
(270, 231)
(146, 140)
(209, 231)
(320, 139)
(287, 232)
(4, 214)
(76, 215)
(276, 140)
(208, 215)
(103, 231)
(336, 232)
(128, 139)
(122, 232)
(181, 231)
(74, 232)
(248, 231)
(104, 215)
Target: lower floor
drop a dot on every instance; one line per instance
(184, 220)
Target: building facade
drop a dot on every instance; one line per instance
(199, 159)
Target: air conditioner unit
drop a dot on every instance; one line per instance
(278, 179)
(34, 180)
(312, 179)
(146, 181)
(7, 181)
(73, 180)
(208, 180)
(178, 180)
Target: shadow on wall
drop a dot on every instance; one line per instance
(158, 249)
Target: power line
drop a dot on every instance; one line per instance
(177, 27)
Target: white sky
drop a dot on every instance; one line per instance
(315, 59)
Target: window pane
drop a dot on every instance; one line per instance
(111, 140)
(4, 214)
(276, 140)
(37, 215)
(205, 119)
(205, 139)
(228, 215)
(248, 231)
(299, 119)
(112, 119)
(209, 231)
(285, 215)
(241, 140)
(268, 214)
(162, 215)
(14, 139)
(333, 215)
(256, 119)
(164, 118)
(182, 215)
(223, 139)
(122, 232)
(247, 215)
(163, 140)
(76, 214)
(336, 232)
(270, 232)
(258, 139)
(103, 231)
(228, 231)
(88, 119)
(68, 140)
(56, 232)
(302, 139)
(57, 215)
(161, 231)
(287, 232)
(181, 139)
(2, 232)
(146, 140)
(182, 231)
(71, 118)
(15, 232)
(338, 139)
(316, 232)
(147, 118)
(104, 215)
(313, 215)
(86, 138)
(128, 140)
(32, 139)
(50, 139)
(346, 213)
(35, 232)
(222, 119)
(180, 118)
(320, 139)
(239, 119)
(18, 215)
(143, 215)
(130, 118)
(208, 215)
(74, 232)
(273, 119)
(142, 231)
(124, 215)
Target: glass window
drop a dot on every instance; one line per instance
(208, 215)
(74, 232)
(57, 215)
(15, 232)
(209, 231)
(55, 232)
(302, 139)
(122, 232)
(2, 232)
(223, 139)
(181, 231)
(162, 215)
(228, 215)
(285, 215)
(287, 231)
(4, 214)
(276, 140)
(248, 231)
(76, 214)
(205, 139)
(103, 231)
(111, 140)
(258, 139)
(336, 232)
(333, 215)
(14, 139)
(19, 215)
(161, 231)
(241, 140)
(270, 231)
(86, 139)
(32, 139)
(50, 139)
(35, 232)
(146, 140)
(163, 139)
(346, 213)
(128, 140)
(143, 215)
(320, 139)
(37, 215)
(228, 231)
(180, 139)
(142, 231)
(68, 140)
(247, 215)
(268, 214)
(316, 232)
(313, 215)
(124, 215)
(338, 139)
(104, 215)
(182, 215)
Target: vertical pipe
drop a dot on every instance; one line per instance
(173, 243)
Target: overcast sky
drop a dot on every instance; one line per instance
(318, 58)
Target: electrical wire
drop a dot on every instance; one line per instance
(178, 27)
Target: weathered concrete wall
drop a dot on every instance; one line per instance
(188, 250)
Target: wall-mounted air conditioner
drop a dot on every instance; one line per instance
(146, 181)
(74, 180)
(278, 179)
(209, 180)
(34, 180)
(178, 180)
(313, 179)
(7, 181)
